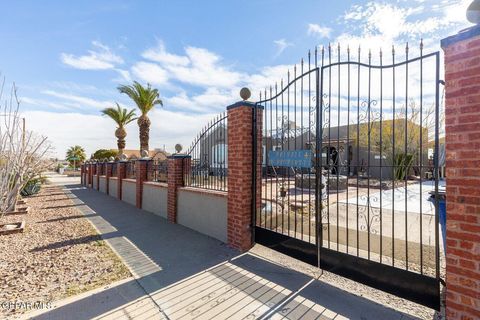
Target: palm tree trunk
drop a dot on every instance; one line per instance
(120, 133)
(144, 132)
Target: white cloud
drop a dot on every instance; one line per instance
(46, 104)
(150, 72)
(124, 75)
(378, 24)
(159, 54)
(199, 67)
(101, 58)
(78, 101)
(281, 44)
(95, 131)
(204, 69)
(319, 31)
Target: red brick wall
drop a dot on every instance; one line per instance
(462, 126)
(240, 152)
(82, 172)
(108, 174)
(121, 172)
(90, 175)
(176, 164)
(99, 172)
(141, 176)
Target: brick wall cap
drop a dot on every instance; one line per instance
(156, 184)
(144, 159)
(464, 34)
(217, 193)
(179, 156)
(244, 104)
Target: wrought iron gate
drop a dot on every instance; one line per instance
(350, 155)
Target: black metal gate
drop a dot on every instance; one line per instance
(350, 156)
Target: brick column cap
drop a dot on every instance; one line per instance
(460, 36)
(244, 104)
(179, 156)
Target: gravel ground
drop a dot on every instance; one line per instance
(58, 255)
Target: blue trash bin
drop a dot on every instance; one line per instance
(442, 216)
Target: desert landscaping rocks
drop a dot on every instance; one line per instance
(59, 254)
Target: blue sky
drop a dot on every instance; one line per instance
(68, 57)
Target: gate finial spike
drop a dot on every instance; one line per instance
(393, 49)
(381, 52)
(406, 48)
(421, 44)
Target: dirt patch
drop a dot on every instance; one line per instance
(59, 254)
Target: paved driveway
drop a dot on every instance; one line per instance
(182, 274)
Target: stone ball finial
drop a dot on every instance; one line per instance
(245, 93)
(111, 159)
(144, 154)
(122, 157)
(178, 148)
(473, 12)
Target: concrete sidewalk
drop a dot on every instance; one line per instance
(182, 274)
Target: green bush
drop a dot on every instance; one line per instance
(32, 186)
(403, 163)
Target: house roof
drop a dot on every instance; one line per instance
(155, 154)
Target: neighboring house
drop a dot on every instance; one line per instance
(212, 154)
(346, 153)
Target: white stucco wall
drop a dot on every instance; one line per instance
(94, 182)
(203, 211)
(154, 198)
(103, 184)
(112, 187)
(129, 191)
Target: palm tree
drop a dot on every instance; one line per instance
(122, 117)
(76, 154)
(145, 99)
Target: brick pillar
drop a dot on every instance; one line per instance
(90, 175)
(108, 174)
(176, 166)
(121, 173)
(82, 167)
(94, 172)
(141, 176)
(99, 171)
(462, 132)
(240, 154)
